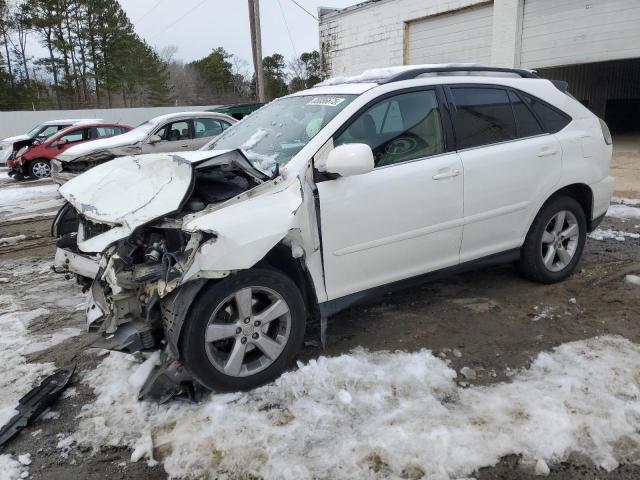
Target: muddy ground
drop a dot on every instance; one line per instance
(490, 320)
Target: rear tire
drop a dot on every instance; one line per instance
(243, 331)
(555, 242)
(40, 168)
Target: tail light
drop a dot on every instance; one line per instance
(605, 132)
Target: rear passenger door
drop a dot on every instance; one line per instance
(510, 164)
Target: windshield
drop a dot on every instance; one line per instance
(272, 135)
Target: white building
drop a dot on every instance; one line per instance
(593, 44)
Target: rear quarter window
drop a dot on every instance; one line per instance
(553, 120)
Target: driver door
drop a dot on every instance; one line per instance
(402, 219)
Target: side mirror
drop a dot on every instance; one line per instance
(154, 139)
(350, 159)
(61, 143)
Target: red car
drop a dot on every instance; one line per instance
(34, 162)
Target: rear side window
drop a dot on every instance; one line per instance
(552, 119)
(483, 116)
(527, 124)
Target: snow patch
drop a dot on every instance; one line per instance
(22, 201)
(11, 469)
(624, 208)
(12, 240)
(632, 279)
(598, 234)
(397, 412)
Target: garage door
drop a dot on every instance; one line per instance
(463, 36)
(579, 31)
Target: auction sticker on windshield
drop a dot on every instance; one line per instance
(326, 101)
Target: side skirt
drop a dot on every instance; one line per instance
(332, 307)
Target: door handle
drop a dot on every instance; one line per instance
(453, 172)
(547, 152)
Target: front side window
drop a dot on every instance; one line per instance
(398, 129)
(482, 116)
(274, 134)
(174, 131)
(72, 137)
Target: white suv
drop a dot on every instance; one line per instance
(222, 256)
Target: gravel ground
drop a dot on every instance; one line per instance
(490, 321)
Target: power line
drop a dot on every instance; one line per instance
(144, 15)
(284, 19)
(305, 10)
(178, 20)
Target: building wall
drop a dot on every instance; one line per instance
(16, 123)
(527, 33)
(372, 35)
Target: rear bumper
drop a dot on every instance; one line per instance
(602, 193)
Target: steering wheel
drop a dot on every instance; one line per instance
(401, 147)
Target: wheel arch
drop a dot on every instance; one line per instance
(176, 306)
(583, 194)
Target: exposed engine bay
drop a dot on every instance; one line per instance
(143, 266)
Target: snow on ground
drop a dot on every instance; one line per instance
(12, 240)
(380, 414)
(21, 200)
(625, 208)
(632, 279)
(31, 285)
(12, 469)
(599, 234)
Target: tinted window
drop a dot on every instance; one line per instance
(104, 132)
(552, 119)
(400, 128)
(527, 124)
(483, 116)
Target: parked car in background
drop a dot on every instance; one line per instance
(238, 111)
(9, 146)
(326, 197)
(35, 162)
(174, 132)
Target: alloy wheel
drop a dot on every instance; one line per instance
(41, 169)
(560, 241)
(248, 331)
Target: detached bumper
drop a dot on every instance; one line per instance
(67, 261)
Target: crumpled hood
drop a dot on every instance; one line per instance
(128, 192)
(125, 139)
(16, 138)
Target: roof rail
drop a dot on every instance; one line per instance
(416, 72)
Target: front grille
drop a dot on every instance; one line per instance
(79, 167)
(93, 229)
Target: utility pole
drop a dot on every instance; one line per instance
(256, 47)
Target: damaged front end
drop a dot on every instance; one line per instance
(144, 234)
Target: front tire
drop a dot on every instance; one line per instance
(244, 331)
(40, 168)
(555, 242)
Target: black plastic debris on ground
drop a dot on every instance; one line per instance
(35, 402)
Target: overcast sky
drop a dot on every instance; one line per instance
(198, 26)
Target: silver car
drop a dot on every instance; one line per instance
(174, 132)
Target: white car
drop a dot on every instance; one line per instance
(173, 132)
(223, 256)
(11, 145)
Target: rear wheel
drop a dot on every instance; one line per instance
(40, 168)
(555, 241)
(244, 331)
